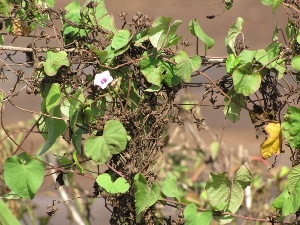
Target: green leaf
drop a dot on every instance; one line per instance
(120, 39)
(169, 186)
(73, 12)
(247, 56)
(119, 186)
(281, 199)
(229, 193)
(228, 4)
(295, 63)
(6, 216)
(233, 32)
(185, 66)
(53, 97)
(77, 138)
(158, 31)
(231, 62)
(291, 127)
(113, 141)
(144, 195)
(293, 177)
(53, 128)
(276, 4)
(54, 60)
(115, 136)
(152, 69)
(244, 82)
(1, 39)
(97, 149)
(172, 38)
(192, 217)
(233, 106)
(5, 7)
(262, 56)
(196, 30)
(24, 175)
(267, 2)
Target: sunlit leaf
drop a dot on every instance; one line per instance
(245, 82)
(246, 56)
(169, 186)
(145, 196)
(293, 177)
(291, 126)
(24, 175)
(120, 39)
(53, 97)
(197, 31)
(54, 60)
(120, 185)
(231, 62)
(272, 145)
(295, 63)
(233, 106)
(233, 32)
(192, 217)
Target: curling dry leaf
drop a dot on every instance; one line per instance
(272, 144)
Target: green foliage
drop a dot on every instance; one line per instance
(233, 32)
(54, 60)
(120, 185)
(295, 63)
(54, 97)
(145, 196)
(6, 216)
(113, 141)
(24, 175)
(233, 106)
(169, 186)
(120, 39)
(191, 216)
(246, 81)
(291, 126)
(196, 30)
(225, 194)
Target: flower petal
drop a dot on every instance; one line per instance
(103, 79)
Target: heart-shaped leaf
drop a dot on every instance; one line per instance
(23, 175)
(246, 83)
(192, 217)
(119, 186)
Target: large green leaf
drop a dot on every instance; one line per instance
(52, 128)
(225, 194)
(247, 56)
(291, 126)
(120, 39)
(293, 177)
(197, 31)
(144, 195)
(54, 60)
(233, 32)
(245, 82)
(53, 97)
(113, 141)
(23, 175)
(5, 7)
(120, 185)
(192, 217)
(169, 186)
(6, 216)
(233, 106)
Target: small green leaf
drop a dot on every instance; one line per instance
(192, 217)
(262, 56)
(246, 56)
(54, 60)
(185, 66)
(120, 39)
(233, 32)
(295, 63)
(157, 32)
(231, 62)
(281, 199)
(97, 149)
(291, 127)
(77, 138)
(144, 195)
(113, 141)
(1, 39)
(53, 97)
(246, 83)
(276, 4)
(197, 31)
(52, 128)
(267, 2)
(6, 216)
(169, 186)
(24, 175)
(233, 106)
(293, 177)
(5, 8)
(119, 186)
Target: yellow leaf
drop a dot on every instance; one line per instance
(272, 144)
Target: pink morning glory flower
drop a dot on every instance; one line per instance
(103, 79)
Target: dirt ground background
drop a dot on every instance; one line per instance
(259, 23)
